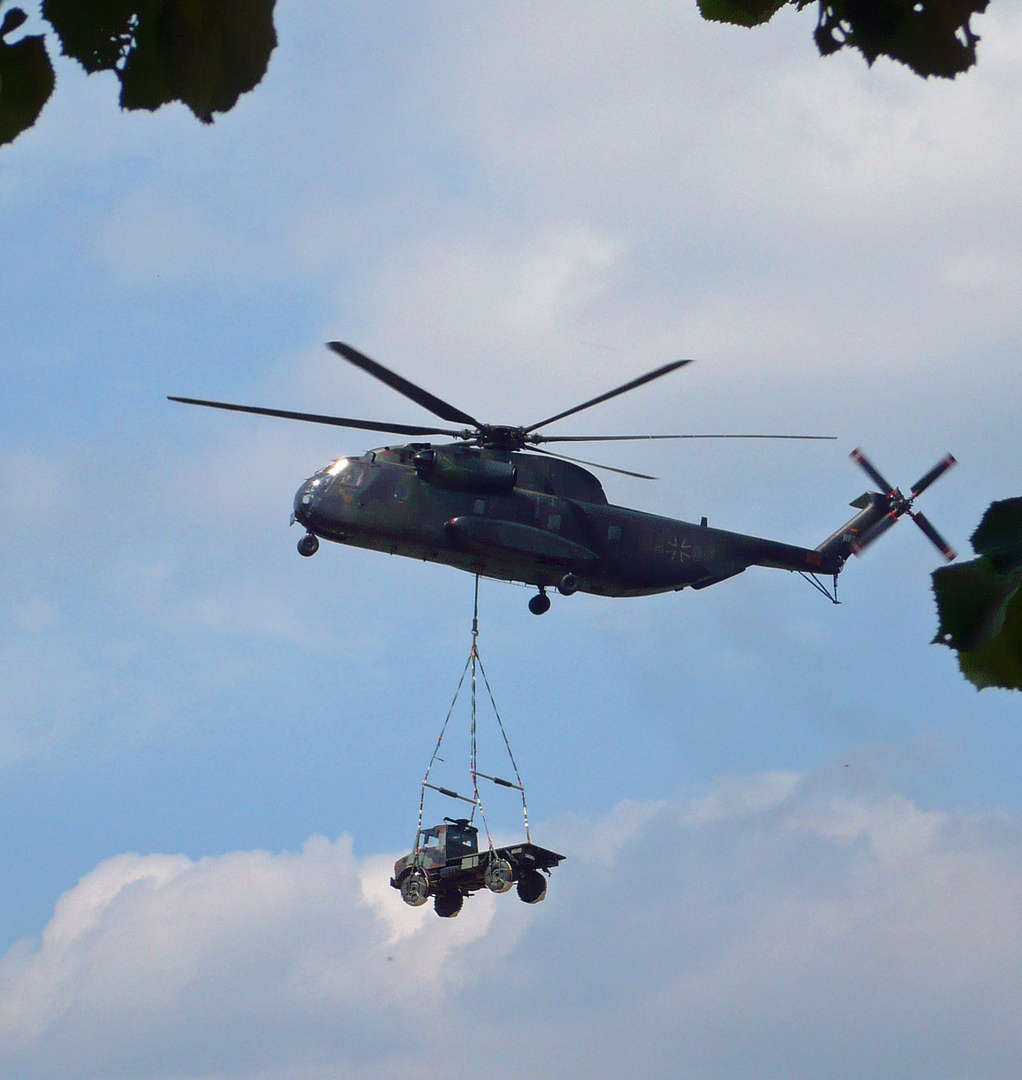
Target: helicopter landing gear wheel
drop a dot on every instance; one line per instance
(540, 603)
(448, 904)
(568, 585)
(308, 545)
(414, 888)
(531, 887)
(499, 876)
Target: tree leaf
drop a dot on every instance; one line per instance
(979, 603)
(933, 37)
(999, 661)
(26, 78)
(999, 535)
(204, 53)
(740, 12)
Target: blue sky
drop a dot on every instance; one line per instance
(786, 823)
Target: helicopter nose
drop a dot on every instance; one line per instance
(305, 502)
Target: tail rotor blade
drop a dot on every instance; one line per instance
(859, 545)
(938, 470)
(935, 538)
(897, 504)
(867, 466)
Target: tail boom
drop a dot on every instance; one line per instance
(874, 517)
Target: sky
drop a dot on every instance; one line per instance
(793, 832)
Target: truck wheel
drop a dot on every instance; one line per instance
(499, 876)
(414, 888)
(531, 887)
(448, 904)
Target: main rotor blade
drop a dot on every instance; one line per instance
(314, 418)
(935, 538)
(866, 465)
(635, 438)
(591, 464)
(437, 406)
(649, 377)
(939, 469)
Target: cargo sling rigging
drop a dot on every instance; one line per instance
(473, 665)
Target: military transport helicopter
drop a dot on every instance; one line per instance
(495, 503)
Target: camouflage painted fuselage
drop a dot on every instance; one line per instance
(538, 520)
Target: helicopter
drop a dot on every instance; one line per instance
(496, 503)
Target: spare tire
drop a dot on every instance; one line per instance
(531, 887)
(415, 888)
(499, 876)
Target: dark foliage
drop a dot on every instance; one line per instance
(979, 603)
(26, 78)
(204, 53)
(933, 37)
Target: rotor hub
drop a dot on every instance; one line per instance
(502, 437)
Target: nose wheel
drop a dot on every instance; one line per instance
(540, 603)
(309, 545)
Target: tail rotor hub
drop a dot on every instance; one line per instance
(899, 504)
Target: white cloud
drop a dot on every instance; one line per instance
(787, 927)
(773, 205)
(495, 309)
(654, 108)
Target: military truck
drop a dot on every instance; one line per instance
(448, 865)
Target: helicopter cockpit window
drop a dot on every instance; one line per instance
(349, 473)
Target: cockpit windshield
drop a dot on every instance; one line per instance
(349, 472)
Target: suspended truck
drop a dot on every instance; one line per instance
(448, 865)
(445, 861)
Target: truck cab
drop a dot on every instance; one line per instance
(437, 846)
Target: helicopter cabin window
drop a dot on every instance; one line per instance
(403, 488)
(553, 522)
(480, 506)
(613, 532)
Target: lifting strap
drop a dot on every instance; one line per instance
(474, 664)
